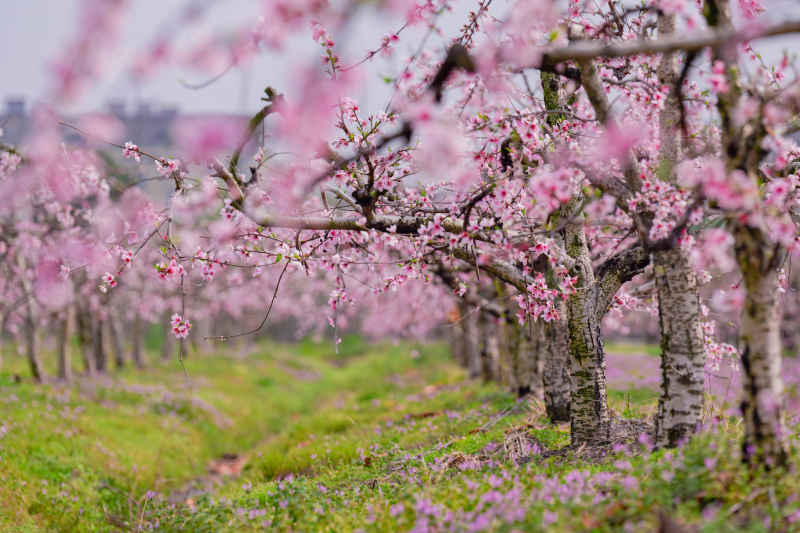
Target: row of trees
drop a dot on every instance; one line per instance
(550, 167)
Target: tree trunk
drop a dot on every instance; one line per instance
(32, 345)
(589, 417)
(64, 359)
(116, 343)
(508, 364)
(530, 360)
(29, 329)
(84, 322)
(555, 378)
(98, 350)
(136, 341)
(760, 345)
(680, 405)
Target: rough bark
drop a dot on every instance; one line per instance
(760, 345)
(589, 416)
(555, 377)
(136, 341)
(63, 346)
(680, 405)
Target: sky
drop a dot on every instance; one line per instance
(32, 31)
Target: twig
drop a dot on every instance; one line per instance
(269, 309)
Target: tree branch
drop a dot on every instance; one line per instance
(583, 50)
(615, 271)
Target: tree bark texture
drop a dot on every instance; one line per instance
(680, 405)
(589, 416)
(760, 346)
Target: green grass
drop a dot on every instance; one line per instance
(369, 438)
(633, 348)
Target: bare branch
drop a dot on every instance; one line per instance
(583, 50)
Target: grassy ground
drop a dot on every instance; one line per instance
(376, 438)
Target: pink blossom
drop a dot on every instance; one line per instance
(131, 151)
(180, 326)
(718, 79)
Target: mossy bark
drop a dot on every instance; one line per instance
(589, 417)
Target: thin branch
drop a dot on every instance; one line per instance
(266, 316)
